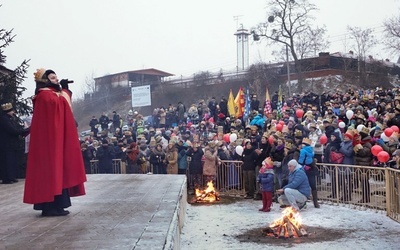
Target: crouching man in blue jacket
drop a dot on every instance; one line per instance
(295, 193)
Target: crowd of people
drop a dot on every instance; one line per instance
(279, 143)
(306, 128)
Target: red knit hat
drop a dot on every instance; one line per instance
(348, 135)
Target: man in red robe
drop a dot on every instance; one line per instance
(55, 169)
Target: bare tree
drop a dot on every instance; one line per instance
(289, 24)
(89, 86)
(311, 42)
(392, 34)
(363, 42)
(202, 78)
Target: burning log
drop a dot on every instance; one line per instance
(289, 226)
(207, 195)
(290, 229)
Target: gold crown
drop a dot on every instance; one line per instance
(306, 141)
(39, 75)
(6, 106)
(279, 134)
(298, 133)
(365, 130)
(288, 145)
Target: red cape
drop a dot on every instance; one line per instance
(54, 159)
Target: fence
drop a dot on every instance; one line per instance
(229, 179)
(118, 166)
(360, 187)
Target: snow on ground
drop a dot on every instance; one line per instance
(216, 227)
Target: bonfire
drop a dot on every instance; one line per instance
(207, 195)
(288, 226)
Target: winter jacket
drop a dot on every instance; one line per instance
(249, 157)
(293, 153)
(266, 180)
(277, 155)
(332, 146)
(157, 158)
(298, 180)
(363, 156)
(10, 132)
(259, 121)
(171, 156)
(182, 159)
(222, 155)
(265, 152)
(306, 156)
(210, 161)
(196, 165)
(346, 148)
(105, 154)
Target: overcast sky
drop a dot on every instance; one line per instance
(83, 38)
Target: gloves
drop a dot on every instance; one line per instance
(357, 147)
(64, 83)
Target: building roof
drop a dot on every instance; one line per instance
(150, 71)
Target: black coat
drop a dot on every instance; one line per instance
(11, 132)
(196, 165)
(93, 123)
(332, 146)
(265, 152)
(249, 158)
(105, 154)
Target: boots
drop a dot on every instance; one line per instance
(315, 198)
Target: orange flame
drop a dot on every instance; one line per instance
(209, 194)
(289, 225)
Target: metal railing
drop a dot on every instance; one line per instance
(118, 166)
(360, 187)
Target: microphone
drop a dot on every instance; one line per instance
(70, 81)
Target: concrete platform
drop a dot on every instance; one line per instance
(117, 212)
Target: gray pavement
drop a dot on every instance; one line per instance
(117, 212)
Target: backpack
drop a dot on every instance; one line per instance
(336, 157)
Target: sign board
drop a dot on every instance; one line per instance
(141, 96)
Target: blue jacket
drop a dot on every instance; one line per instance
(298, 180)
(306, 155)
(266, 180)
(182, 159)
(346, 148)
(258, 120)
